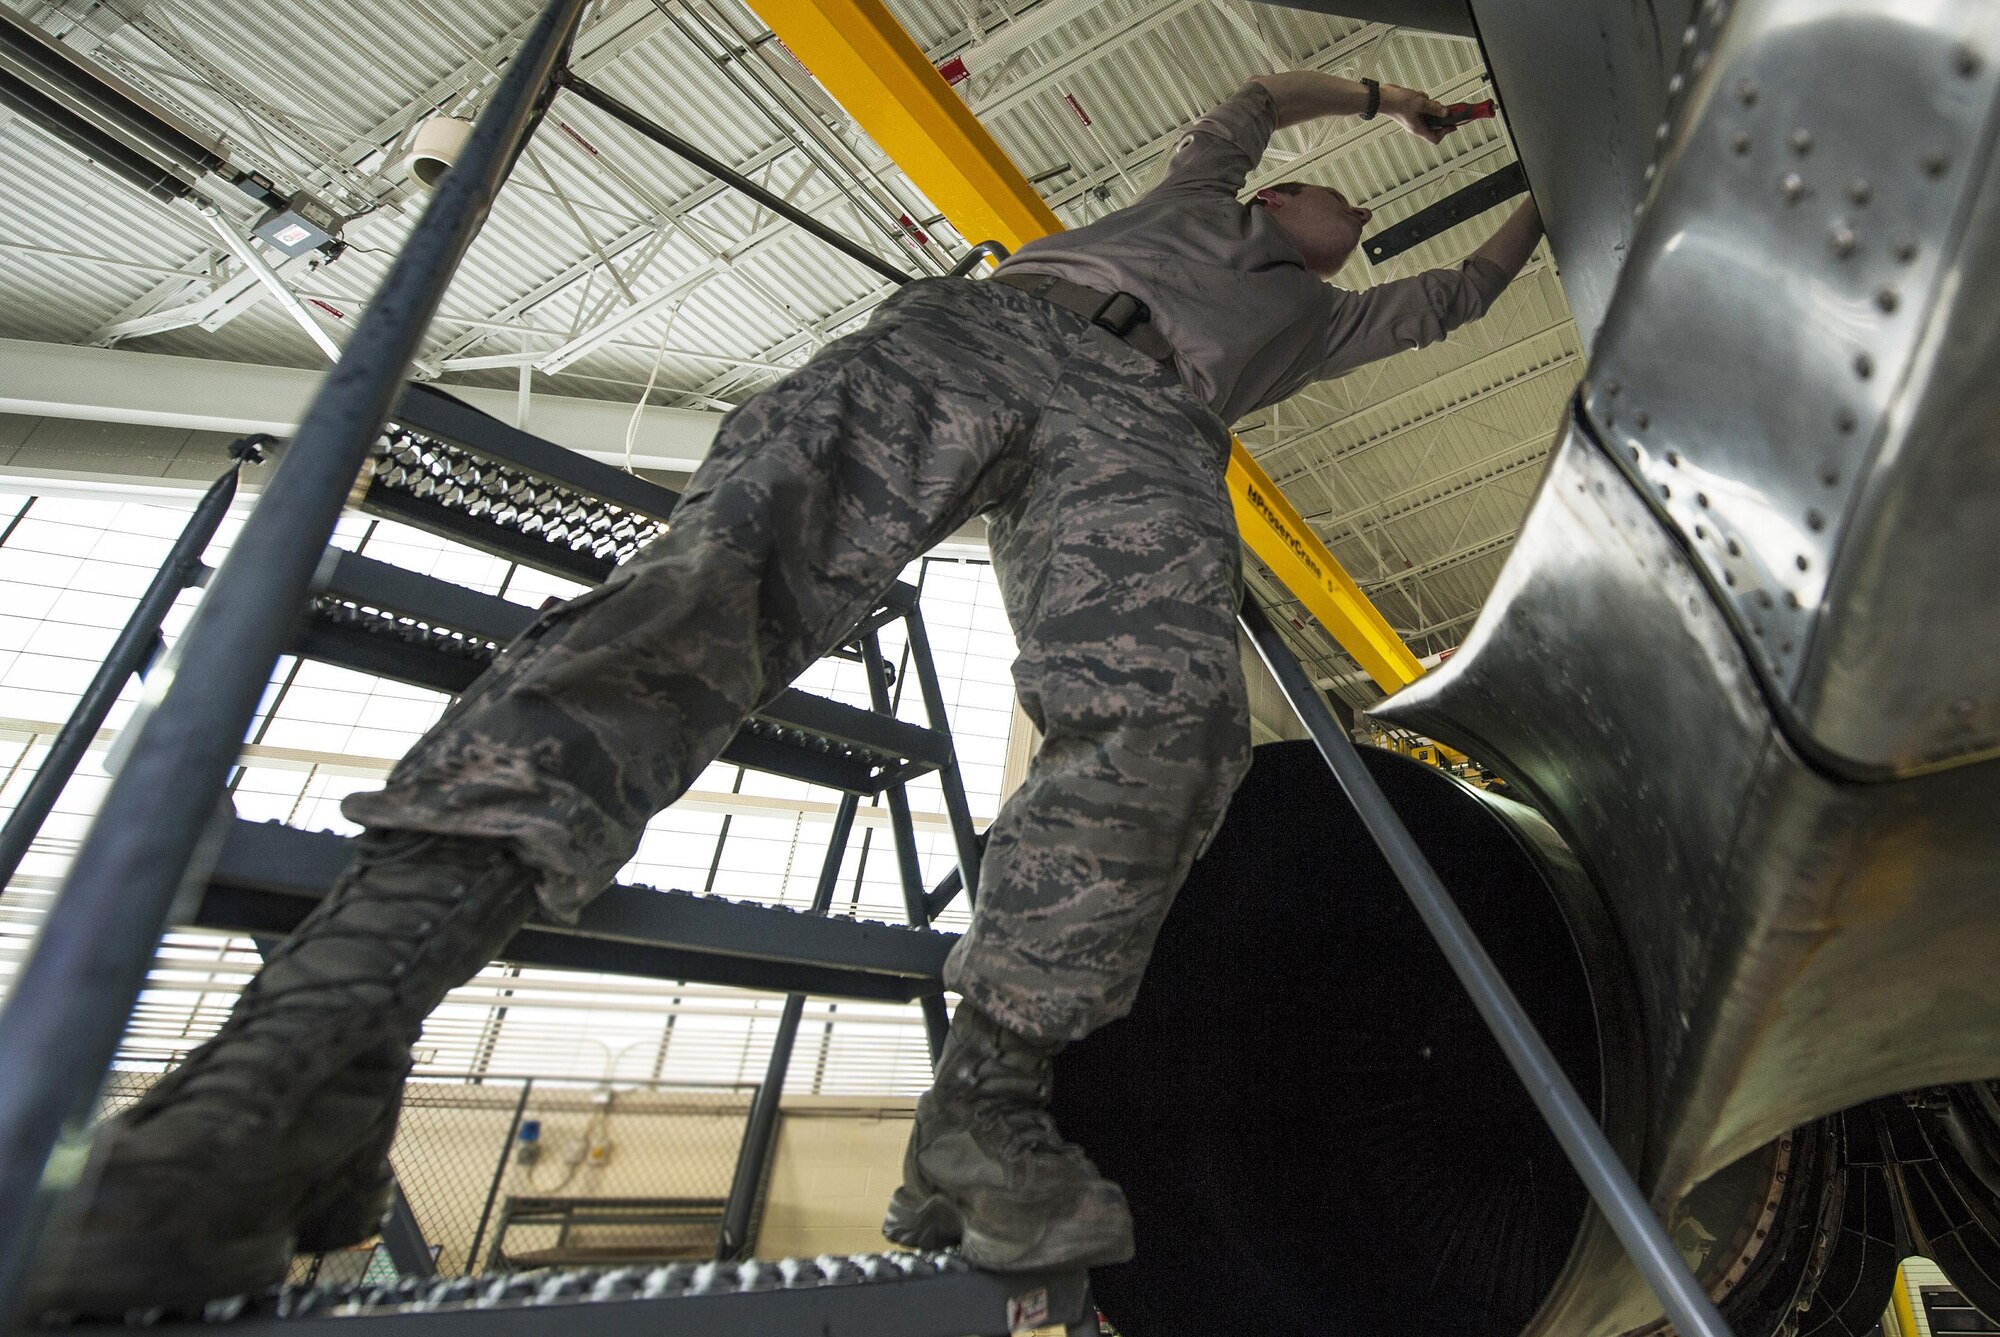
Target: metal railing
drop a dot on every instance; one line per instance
(137, 646)
(158, 830)
(61, 1024)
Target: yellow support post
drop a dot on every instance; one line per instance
(1906, 1313)
(872, 68)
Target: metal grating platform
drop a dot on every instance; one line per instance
(447, 468)
(380, 619)
(864, 1295)
(269, 876)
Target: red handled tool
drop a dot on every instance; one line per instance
(1458, 113)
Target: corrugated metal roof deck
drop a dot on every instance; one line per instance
(1416, 470)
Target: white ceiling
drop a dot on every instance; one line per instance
(604, 249)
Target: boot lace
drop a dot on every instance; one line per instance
(239, 1068)
(1018, 1103)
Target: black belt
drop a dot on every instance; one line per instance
(1119, 312)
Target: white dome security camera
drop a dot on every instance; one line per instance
(436, 148)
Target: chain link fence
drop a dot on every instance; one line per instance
(504, 1173)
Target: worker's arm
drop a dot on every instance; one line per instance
(1417, 311)
(1514, 240)
(1305, 95)
(1221, 149)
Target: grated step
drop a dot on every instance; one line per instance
(832, 1295)
(447, 468)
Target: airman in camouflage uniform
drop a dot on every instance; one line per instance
(1100, 475)
(1095, 448)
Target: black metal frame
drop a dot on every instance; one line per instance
(69, 1004)
(137, 646)
(162, 829)
(268, 877)
(380, 619)
(723, 172)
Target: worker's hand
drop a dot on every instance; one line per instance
(1408, 108)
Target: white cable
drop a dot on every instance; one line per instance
(659, 352)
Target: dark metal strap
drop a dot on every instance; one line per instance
(1118, 312)
(1460, 206)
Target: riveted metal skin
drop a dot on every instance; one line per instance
(1743, 654)
(1800, 944)
(1585, 89)
(1904, 670)
(1797, 373)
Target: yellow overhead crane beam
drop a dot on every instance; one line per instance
(874, 70)
(1899, 1304)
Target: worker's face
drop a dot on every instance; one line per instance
(1320, 221)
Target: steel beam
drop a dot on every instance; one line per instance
(908, 864)
(1142, 157)
(403, 1238)
(1010, 95)
(439, 603)
(678, 216)
(883, 79)
(761, 1129)
(1431, 490)
(1285, 543)
(194, 312)
(153, 389)
(729, 176)
(1434, 628)
(1429, 412)
(1471, 552)
(260, 268)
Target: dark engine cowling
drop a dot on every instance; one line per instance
(1319, 1136)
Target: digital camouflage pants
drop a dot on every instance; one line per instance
(1100, 476)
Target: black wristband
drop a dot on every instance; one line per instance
(1374, 88)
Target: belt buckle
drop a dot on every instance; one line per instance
(1125, 321)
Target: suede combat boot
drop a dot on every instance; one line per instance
(986, 1171)
(273, 1137)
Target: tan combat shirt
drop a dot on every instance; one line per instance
(1250, 324)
